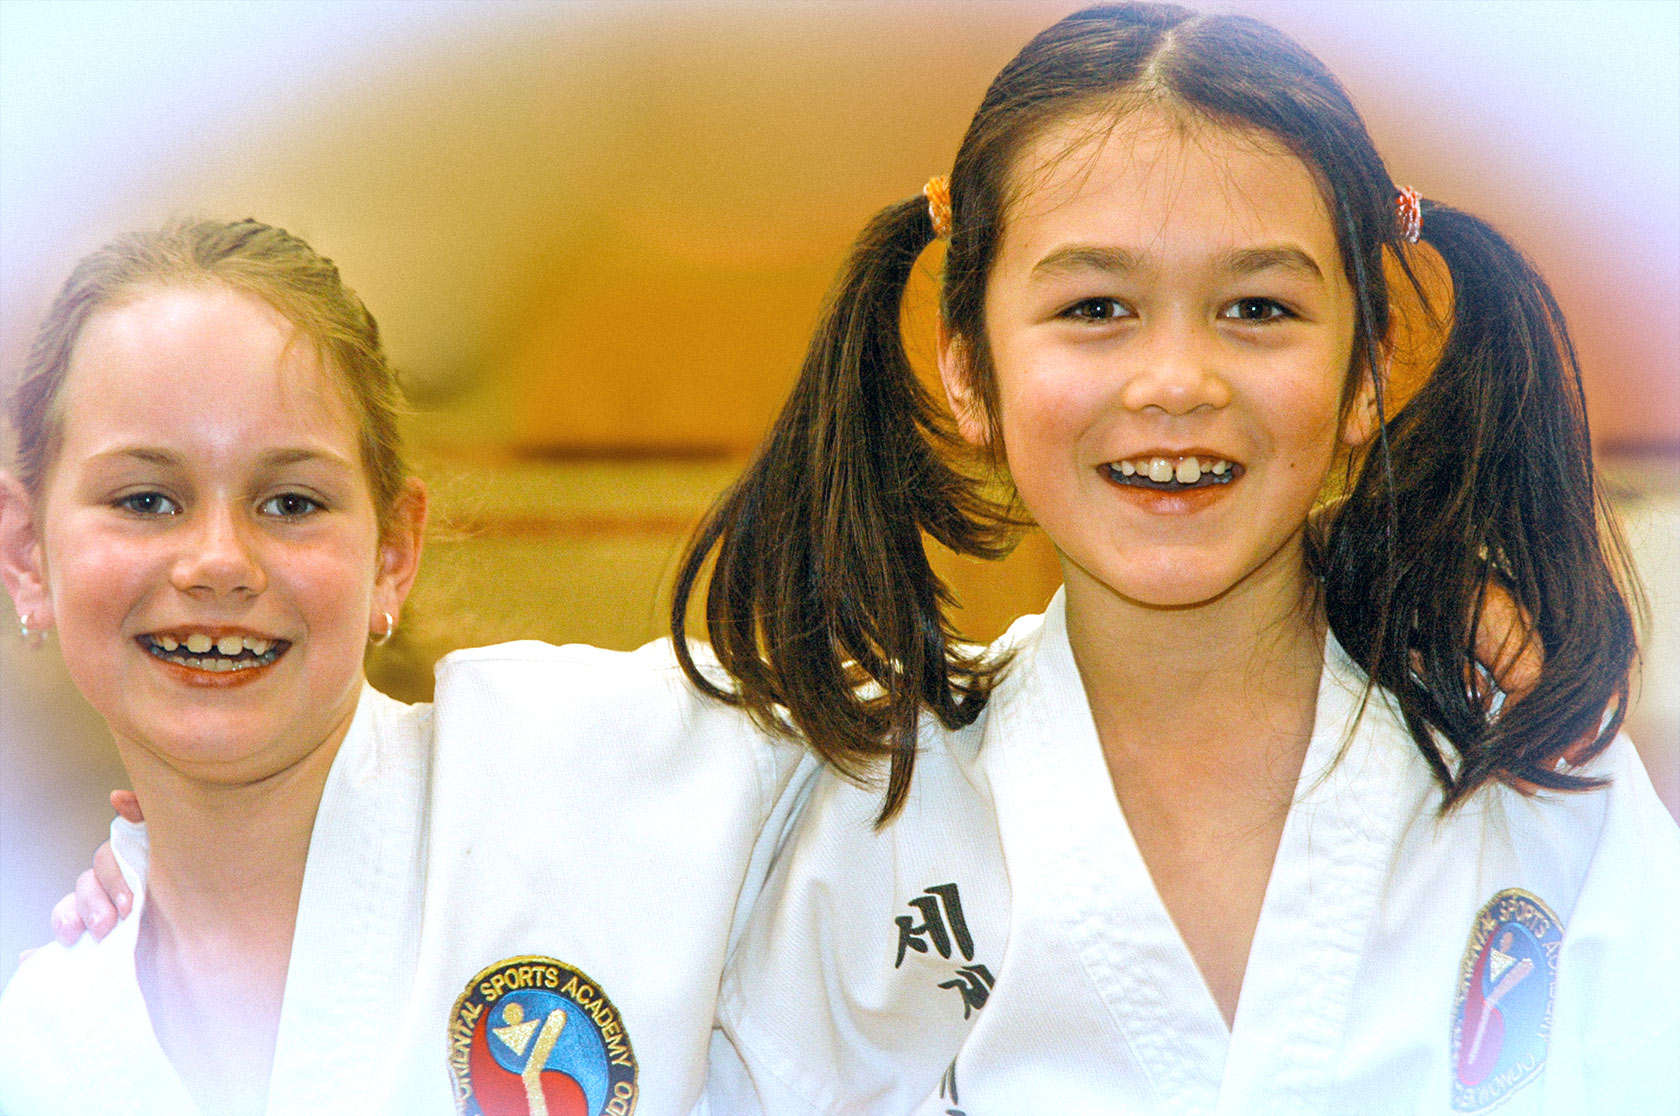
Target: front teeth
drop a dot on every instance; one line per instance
(1168, 470)
(228, 653)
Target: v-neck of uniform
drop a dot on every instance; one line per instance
(1075, 862)
(347, 986)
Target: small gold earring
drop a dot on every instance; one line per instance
(385, 637)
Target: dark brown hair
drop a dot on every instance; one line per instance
(247, 256)
(822, 607)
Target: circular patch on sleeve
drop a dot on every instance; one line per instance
(532, 1036)
(1502, 1015)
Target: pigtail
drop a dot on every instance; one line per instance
(1489, 475)
(821, 606)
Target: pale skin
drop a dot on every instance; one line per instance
(209, 479)
(1178, 293)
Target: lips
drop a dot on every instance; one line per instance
(1173, 472)
(220, 653)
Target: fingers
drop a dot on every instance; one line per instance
(102, 897)
(66, 923)
(108, 875)
(93, 908)
(1506, 644)
(100, 901)
(127, 805)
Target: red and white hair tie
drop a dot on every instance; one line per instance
(1408, 209)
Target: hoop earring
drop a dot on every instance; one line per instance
(23, 626)
(385, 637)
(34, 637)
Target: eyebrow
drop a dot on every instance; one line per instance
(278, 459)
(140, 453)
(1074, 258)
(1249, 261)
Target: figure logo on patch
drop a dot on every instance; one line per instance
(1502, 1017)
(532, 1036)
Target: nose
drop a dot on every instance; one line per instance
(1177, 372)
(218, 558)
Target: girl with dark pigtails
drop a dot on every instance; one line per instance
(1234, 826)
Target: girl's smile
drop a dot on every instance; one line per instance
(1171, 332)
(207, 658)
(211, 547)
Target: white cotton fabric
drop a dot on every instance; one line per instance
(565, 802)
(1348, 1000)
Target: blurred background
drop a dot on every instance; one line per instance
(596, 236)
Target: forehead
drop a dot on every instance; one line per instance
(1151, 177)
(205, 364)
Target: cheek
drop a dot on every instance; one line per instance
(1305, 396)
(91, 575)
(335, 584)
(1044, 411)
(1305, 425)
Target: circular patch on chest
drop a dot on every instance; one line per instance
(532, 1036)
(1502, 1015)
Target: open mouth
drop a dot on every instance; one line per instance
(1173, 474)
(216, 654)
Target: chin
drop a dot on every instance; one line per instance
(198, 743)
(1169, 581)
(1172, 599)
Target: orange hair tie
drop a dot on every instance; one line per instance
(1408, 208)
(938, 193)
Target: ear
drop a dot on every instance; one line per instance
(22, 561)
(399, 554)
(956, 372)
(1359, 418)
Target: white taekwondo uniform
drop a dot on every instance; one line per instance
(999, 948)
(565, 828)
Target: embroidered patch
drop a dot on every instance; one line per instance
(532, 1036)
(1502, 1016)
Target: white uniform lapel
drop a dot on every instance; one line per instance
(1321, 901)
(1097, 942)
(354, 947)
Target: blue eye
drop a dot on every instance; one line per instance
(1096, 310)
(149, 503)
(290, 505)
(1255, 310)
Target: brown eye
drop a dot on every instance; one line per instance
(1096, 310)
(1255, 310)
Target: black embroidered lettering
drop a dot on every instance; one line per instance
(974, 984)
(942, 920)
